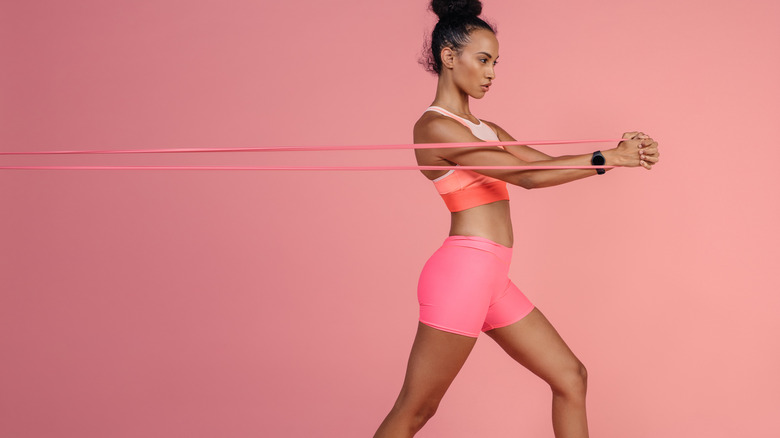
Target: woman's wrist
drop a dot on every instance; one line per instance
(612, 158)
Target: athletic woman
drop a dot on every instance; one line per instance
(464, 288)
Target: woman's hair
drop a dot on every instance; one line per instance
(457, 19)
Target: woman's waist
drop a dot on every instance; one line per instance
(492, 221)
(496, 229)
(481, 243)
(505, 240)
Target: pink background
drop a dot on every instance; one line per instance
(283, 304)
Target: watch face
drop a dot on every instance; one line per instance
(598, 160)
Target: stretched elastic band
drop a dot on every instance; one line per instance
(314, 148)
(292, 167)
(303, 148)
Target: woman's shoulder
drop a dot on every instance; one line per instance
(432, 117)
(433, 125)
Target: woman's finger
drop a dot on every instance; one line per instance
(649, 150)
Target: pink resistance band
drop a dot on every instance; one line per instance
(302, 148)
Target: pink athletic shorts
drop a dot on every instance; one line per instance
(464, 287)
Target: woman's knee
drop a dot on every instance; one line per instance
(425, 413)
(573, 381)
(416, 412)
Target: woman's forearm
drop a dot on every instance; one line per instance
(534, 179)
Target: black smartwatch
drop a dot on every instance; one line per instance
(598, 160)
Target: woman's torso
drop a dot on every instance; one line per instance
(492, 220)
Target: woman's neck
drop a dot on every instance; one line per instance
(449, 97)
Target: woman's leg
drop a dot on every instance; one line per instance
(434, 361)
(534, 343)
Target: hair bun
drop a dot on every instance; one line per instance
(456, 8)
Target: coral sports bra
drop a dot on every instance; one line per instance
(462, 189)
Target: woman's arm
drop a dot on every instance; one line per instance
(443, 130)
(646, 156)
(521, 151)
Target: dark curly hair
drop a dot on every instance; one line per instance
(457, 19)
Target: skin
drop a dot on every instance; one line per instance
(437, 356)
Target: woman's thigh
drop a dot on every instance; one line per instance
(534, 343)
(436, 358)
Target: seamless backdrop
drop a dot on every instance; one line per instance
(283, 304)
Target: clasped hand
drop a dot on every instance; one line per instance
(638, 150)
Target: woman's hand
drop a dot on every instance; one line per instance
(637, 150)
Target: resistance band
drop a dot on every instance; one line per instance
(301, 148)
(315, 148)
(292, 167)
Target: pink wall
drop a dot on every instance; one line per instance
(282, 304)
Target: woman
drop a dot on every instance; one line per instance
(464, 288)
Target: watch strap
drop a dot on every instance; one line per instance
(598, 160)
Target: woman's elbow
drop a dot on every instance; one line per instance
(526, 181)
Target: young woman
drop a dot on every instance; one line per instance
(463, 288)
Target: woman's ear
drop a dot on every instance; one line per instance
(447, 57)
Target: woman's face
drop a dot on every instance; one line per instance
(474, 70)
